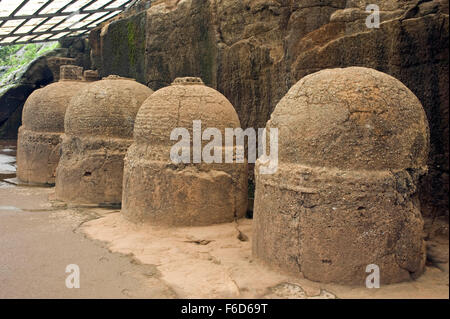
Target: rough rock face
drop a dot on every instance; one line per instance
(77, 48)
(98, 130)
(253, 51)
(38, 146)
(157, 190)
(352, 144)
(13, 97)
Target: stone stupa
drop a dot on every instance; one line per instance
(353, 143)
(38, 145)
(98, 131)
(157, 190)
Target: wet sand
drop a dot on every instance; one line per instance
(39, 237)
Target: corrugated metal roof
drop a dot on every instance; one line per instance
(26, 21)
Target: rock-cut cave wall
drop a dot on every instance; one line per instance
(253, 51)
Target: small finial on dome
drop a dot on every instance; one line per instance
(116, 77)
(189, 80)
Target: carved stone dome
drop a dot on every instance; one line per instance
(45, 108)
(106, 108)
(356, 118)
(177, 105)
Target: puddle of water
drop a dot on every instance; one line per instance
(13, 208)
(7, 162)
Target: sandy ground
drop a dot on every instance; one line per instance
(37, 242)
(117, 259)
(215, 262)
(39, 237)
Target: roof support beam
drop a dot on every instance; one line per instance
(35, 32)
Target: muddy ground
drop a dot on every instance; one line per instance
(39, 237)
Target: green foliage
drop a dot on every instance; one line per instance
(7, 51)
(16, 56)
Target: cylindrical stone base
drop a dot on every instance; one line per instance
(90, 170)
(163, 193)
(330, 224)
(37, 156)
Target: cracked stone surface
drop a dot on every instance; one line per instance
(224, 268)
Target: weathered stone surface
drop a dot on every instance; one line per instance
(253, 51)
(70, 73)
(55, 63)
(126, 48)
(38, 145)
(353, 143)
(91, 75)
(77, 48)
(98, 130)
(158, 191)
